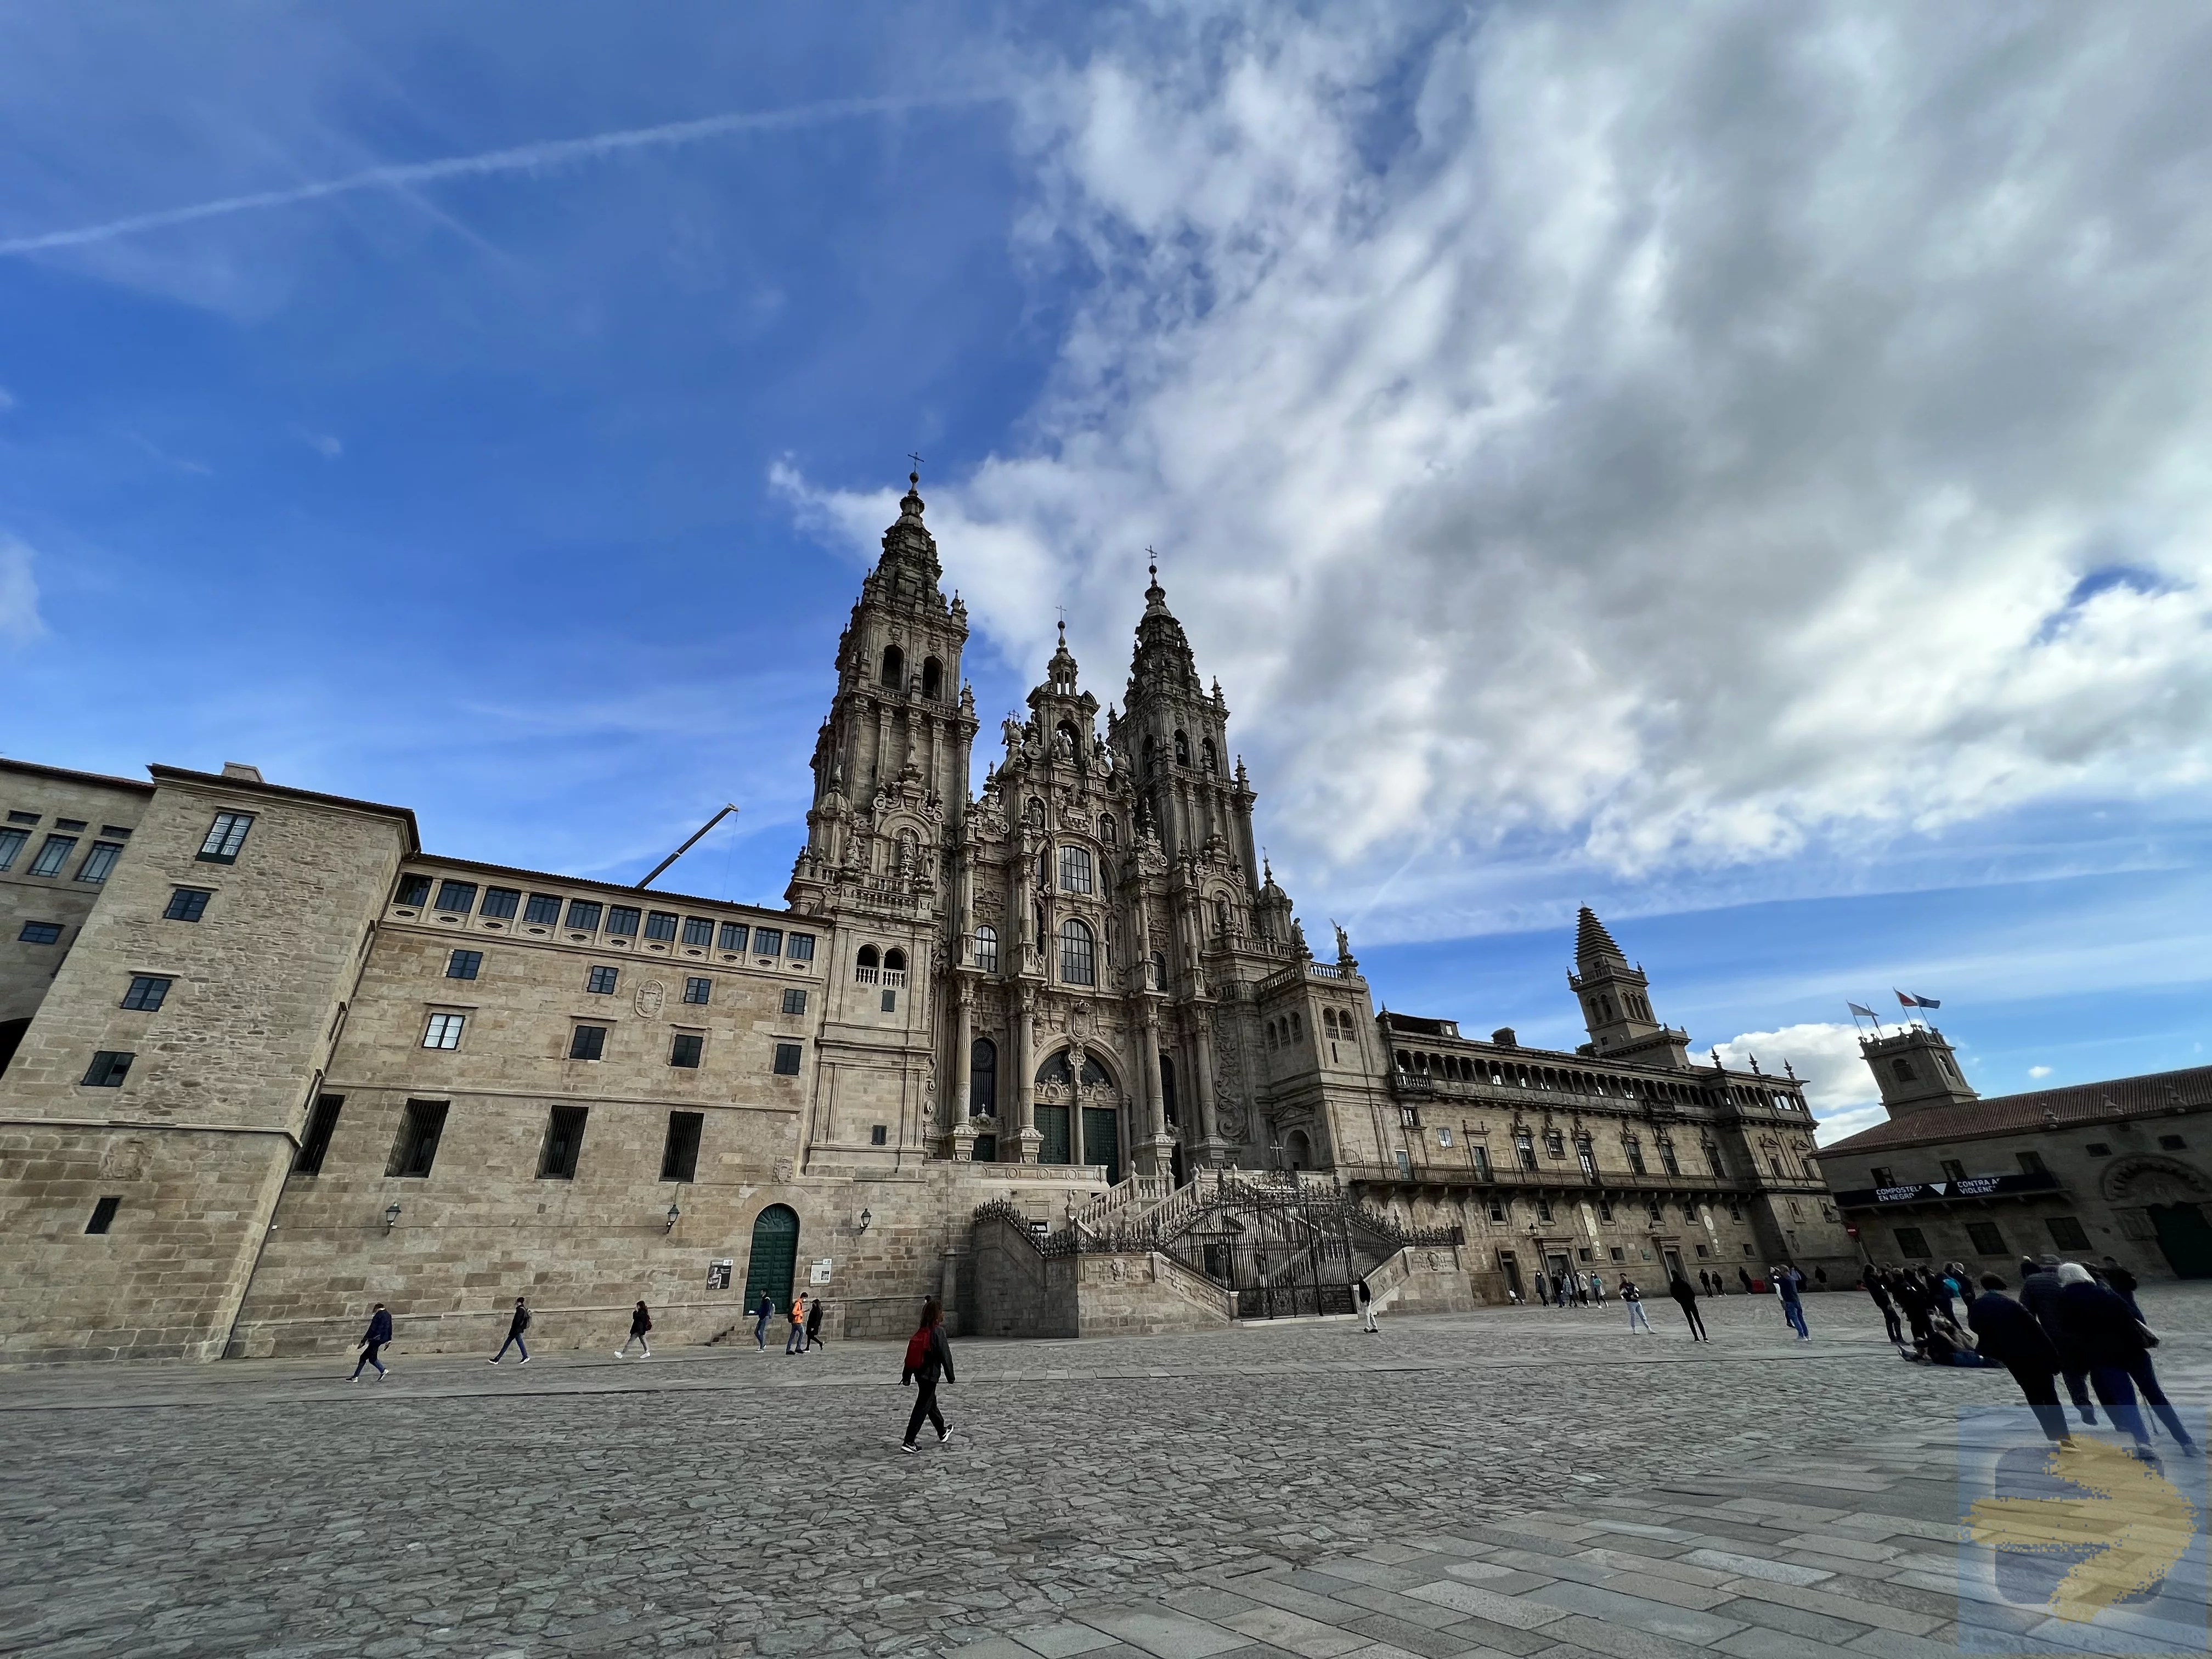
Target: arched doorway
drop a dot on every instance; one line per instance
(774, 1258)
(1297, 1151)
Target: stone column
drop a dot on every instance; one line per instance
(1025, 1071)
(964, 1043)
(1211, 1149)
(1159, 1143)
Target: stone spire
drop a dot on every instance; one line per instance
(909, 558)
(1592, 942)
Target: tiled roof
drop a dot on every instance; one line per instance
(2075, 1106)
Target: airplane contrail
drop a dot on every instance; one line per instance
(519, 158)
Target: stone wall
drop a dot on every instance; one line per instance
(1425, 1279)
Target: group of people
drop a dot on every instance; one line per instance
(1577, 1290)
(805, 1315)
(2069, 1322)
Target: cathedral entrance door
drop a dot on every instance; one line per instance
(774, 1257)
(2185, 1237)
(1052, 1124)
(1101, 1139)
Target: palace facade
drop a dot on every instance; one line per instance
(267, 1060)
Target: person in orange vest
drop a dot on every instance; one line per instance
(793, 1343)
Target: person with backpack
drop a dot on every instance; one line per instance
(1634, 1298)
(796, 1342)
(928, 1358)
(813, 1327)
(515, 1327)
(641, 1321)
(1365, 1298)
(762, 1314)
(371, 1341)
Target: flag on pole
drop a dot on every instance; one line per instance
(1916, 1002)
(1867, 1012)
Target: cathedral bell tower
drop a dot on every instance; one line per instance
(890, 761)
(1916, 1068)
(1616, 1004)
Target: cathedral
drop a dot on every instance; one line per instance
(1053, 1047)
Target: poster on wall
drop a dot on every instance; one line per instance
(821, 1274)
(718, 1275)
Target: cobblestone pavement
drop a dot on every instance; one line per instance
(717, 1502)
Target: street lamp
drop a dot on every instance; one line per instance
(391, 1216)
(864, 1219)
(675, 1215)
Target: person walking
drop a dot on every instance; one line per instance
(1913, 1301)
(813, 1327)
(1686, 1298)
(1597, 1289)
(1365, 1298)
(2115, 1346)
(372, 1343)
(641, 1321)
(928, 1358)
(796, 1342)
(1789, 1285)
(2123, 1283)
(1543, 1290)
(1880, 1293)
(762, 1315)
(515, 1327)
(1744, 1278)
(2010, 1335)
(1637, 1319)
(2038, 1294)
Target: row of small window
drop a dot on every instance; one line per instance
(422, 1126)
(1282, 1033)
(1989, 1240)
(54, 854)
(600, 981)
(501, 903)
(1655, 1213)
(686, 1049)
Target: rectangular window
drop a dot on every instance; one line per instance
(501, 903)
(11, 843)
(544, 909)
(443, 1031)
(2031, 1162)
(600, 981)
(39, 933)
(794, 1002)
(1555, 1143)
(1543, 1207)
(187, 903)
(315, 1144)
(103, 1215)
(699, 930)
(1882, 1176)
(1988, 1241)
(890, 1002)
(587, 1042)
(879, 1134)
(457, 895)
(2097, 1149)
(564, 1140)
(679, 1158)
(734, 935)
(108, 1069)
(54, 854)
(584, 915)
(417, 1147)
(22, 818)
(1075, 869)
(69, 823)
(1481, 1163)
(413, 889)
(147, 993)
(622, 919)
(2066, 1233)
(768, 941)
(2171, 1143)
(683, 1051)
(660, 924)
(464, 965)
(1667, 1159)
(1524, 1151)
(802, 948)
(99, 861)
(225, 837)
(698, 990)
(786, 1060)
(1952, 1170)
(1911, 1241)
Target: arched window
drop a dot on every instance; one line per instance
(987, 949)
(1298, 1024)
(1075, 869)
(894, 962)
(932, 677)
(866, 960)
(1078, 959)
(1094, 1074)
(775, 1256)
(1159, 971)
(1206, 758)
(1057, 1070)
(983, 1078)
(1273, 1042)
(1106, 828)
(1044, 867)
(894, 668)
(1181, 750)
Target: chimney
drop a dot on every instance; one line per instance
(240, 769)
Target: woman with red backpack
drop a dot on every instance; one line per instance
(928, 1356)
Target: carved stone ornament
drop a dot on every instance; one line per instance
(651, 996)
(783, 1169)
(1081, 1021)
(124, 1160)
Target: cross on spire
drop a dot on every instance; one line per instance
(914, 477)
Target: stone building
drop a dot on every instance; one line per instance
(2089, 1169)
(267, 1060)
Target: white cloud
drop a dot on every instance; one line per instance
(1838, 1086)
(2039, 1071)
(1674, 437)
(19, 593)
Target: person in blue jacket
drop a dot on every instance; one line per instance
(1788, 1284)
(371, 1341)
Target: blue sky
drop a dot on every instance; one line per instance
(1741, 470)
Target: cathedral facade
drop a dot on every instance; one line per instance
(267, 1060)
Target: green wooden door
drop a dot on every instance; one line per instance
(2186, 1238)
(1101, 1139)
(774, 1257)
(1052, 1124)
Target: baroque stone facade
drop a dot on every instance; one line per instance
(266, 1061)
